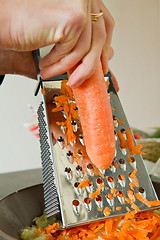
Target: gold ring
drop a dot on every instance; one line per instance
(95, 16)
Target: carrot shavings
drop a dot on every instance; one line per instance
(107, 211)
(135, 207)
(133, 176)
(155, 203)
(130, 144)
(97, 192)
(130, 193)
(142, 199)
(127, 200)
(85, 183)
(43, 91)
(119, 121)
(132, 226)
(108, 226)
(121, 139)
(118, 208)
(66, 90)
(113, 191)
(131, 184)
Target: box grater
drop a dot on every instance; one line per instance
(61, 176)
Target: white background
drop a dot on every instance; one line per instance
(136, 41)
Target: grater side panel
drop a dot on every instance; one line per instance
(51, 199)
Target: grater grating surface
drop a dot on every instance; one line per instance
(61, 176)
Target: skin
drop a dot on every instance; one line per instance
(79, 42)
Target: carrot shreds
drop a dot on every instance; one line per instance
(43, 91)
(97, 192)
(119, 121)
(130, 144)
(127, 200)
(107, 211)
(133, 176)
(131, 184)
(142, 199)
(156, 234)
(65, 89)
(113, 191)
(135, 207)
(132, 226)
(129, 215)
(121, 139)
(118, 208)
(155, 203)
(130, 193)
(99, 227)
(85, 183)
(57, 109)
(108, 226)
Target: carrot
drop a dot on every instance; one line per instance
(130, 143)
(132, 226)
(134, 206)
(96, 119)
(84, 183)
(107, 211)
(142, 199)
(133, 176)
(118, 208)
(97, 192)
(155, 203)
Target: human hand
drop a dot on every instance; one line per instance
(93, 44)
(17, 62)
(46, 22)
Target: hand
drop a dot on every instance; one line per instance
(93, 43)
(17, 62)
(28, 25)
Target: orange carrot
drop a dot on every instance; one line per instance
(142, 199)
(119, 121)
(130, 144)
(96, 119)
(107, 211)
(155, 203)
(97, 192)
(121, 139)
(134, 206)
(118, 208)
(84, 183)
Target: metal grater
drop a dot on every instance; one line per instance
(61, 177)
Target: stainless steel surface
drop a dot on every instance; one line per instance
(77, 214)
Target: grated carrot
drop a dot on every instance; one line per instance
(107, 211)
(135, 207)
(142, 199)
(121, 139)
(85, 183)
(43, 91)
(118, 208)
(133, 176)
(97, 192)
(132, 226)
(155, 203)
(119, 121)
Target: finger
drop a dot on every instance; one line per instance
(109, 22)
(72, 58)
(107, 54)
(89, 63)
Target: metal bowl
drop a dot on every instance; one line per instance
(17, 210)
